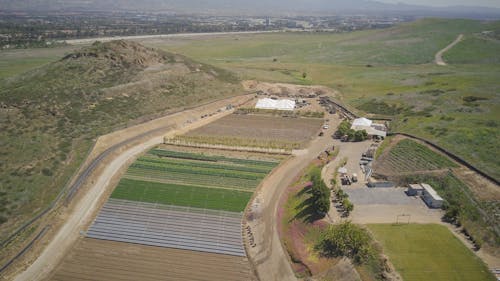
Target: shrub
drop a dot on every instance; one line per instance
(345, 240)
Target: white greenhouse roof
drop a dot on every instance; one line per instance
(362, 122)
(268, 103)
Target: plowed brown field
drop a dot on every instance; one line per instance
(262, 127)
(93, 259)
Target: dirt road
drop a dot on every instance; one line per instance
(88, 202)
(270, 260)
(439, 56)
(160, 36)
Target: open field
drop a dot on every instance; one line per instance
(182, 195)
(193, 179)
(426, 100)
(101, 260)
(257, 130)
(408, 156)
(429, 252)
(169, 226)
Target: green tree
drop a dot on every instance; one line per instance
(347, 240)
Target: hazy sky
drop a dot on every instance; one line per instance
(485, 3)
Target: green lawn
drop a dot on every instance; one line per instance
(429, 252)
(182, 195)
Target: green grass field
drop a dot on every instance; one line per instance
(429, 252)
(182, 195)
(193, 179)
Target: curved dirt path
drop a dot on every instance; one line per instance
(89, 202)
(269, 258)
(438, 59)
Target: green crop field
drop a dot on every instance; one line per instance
(193, 179)
(182, 195)
(410, 156)
(429, 252)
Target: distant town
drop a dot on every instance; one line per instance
(26, 30)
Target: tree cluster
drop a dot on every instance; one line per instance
(346, 240)
(320, 193)
(344, 129)
(343, 198)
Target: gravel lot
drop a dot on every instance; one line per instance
(381, 196)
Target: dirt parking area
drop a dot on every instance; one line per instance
(262, 127)
(381, 196)
(94, 259)
(389, 205)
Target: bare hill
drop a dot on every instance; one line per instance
(50, 116)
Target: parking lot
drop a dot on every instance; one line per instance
(389, 205)
(381, 196)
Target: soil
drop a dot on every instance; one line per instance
(262, 127)
(290, 90)
(93, 259)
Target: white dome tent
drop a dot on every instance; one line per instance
(268, 103)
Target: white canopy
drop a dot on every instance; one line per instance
(362, 122)
(342, 170)
(268, 103)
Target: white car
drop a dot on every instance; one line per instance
(326, 127)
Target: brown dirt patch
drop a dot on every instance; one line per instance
(94, 259)
(262, 127)
(283, 89)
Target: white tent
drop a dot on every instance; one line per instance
(362, 122)
(268, 103)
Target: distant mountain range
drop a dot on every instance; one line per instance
(245, 7)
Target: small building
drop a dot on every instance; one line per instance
(372, 129)
(275, 104)
(415, 190)
(430, 197)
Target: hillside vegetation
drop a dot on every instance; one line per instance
(49, 116)
(388, 72)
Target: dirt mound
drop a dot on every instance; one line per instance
(122, 52)
(282, 89)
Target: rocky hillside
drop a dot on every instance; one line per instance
(50, 116)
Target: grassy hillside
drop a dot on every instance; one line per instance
(49, 116)
(386, 72)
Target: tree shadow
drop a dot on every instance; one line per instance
(306, 209)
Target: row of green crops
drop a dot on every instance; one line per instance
(193, 179)
(408, 155)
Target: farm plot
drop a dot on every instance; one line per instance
(169, 226)
(256, 131)
(429, 252)
(102, 260)
(410, 156)
(182, 200)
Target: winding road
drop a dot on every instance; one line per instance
(269, 258)
(439, 55)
